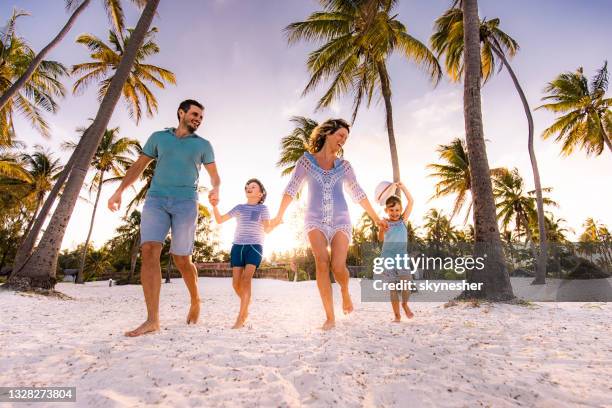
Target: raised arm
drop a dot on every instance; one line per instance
(409, 201)
(133, 173)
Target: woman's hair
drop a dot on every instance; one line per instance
(319, 134)
(261, 187)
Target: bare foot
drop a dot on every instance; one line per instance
(398, 319)
(347, 304)
(407, 310)
(146, 327)
(328, 325)
(240, 320)
(194, 312)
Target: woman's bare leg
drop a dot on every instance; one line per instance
(339, 251)
(245, 295)
(318, 245)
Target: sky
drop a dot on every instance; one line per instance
(233, 57)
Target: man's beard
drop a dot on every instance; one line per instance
(190, 127)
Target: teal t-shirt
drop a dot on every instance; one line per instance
(178, 163)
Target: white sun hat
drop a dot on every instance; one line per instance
(383, 190)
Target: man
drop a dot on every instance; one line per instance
(171, 204)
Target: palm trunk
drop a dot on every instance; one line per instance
(12, 91)
(540, 277)
(79, 278)
(33, 218)
(133, 257)
(26, 247)
(386, 91)
(40, 268)
(487, 242)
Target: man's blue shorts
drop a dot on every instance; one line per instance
(249, 254)
(161, 214)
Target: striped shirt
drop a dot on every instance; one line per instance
(250, 229)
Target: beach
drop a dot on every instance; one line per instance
(499, 355)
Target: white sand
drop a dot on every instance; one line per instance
(545, 355)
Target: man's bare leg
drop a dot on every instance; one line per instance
(245, 295)
(189, 273)
(339, 250)
(150, 278)
(318, 245)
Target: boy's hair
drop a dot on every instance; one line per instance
(186, 104)
(261, 187)
(391, 201)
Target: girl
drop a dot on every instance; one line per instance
(247, 249)
(327, 220)
(395, 242)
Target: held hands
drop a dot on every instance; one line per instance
(213, 196)
(275, 222)
(382, 224)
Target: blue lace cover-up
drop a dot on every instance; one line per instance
(326, 209)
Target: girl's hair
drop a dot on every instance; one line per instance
(319, 134)
(261, 187)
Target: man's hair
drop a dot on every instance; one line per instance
(391, 201)
(186, 104)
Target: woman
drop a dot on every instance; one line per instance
(327, 221)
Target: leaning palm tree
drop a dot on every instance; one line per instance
(497, 48)
(295, 144)
(115, 13)
(359, 37)
(106, 59)
(114, 156)
(587, 117)
(37, 94)
(487, 240)
(39, 268)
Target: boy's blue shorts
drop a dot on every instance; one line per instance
(249, 254)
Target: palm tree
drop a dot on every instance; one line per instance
(112, 156)
(115, 13)
(130, 232)
(587, 119)
(359, 37)
(39, 269)
(448, 40)
(294, 145)
(438, 229)
(598, 235)
(44, 170)
(454, 176)
(486, 232)
(36, 94)
(106, 59)
(515, 205)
